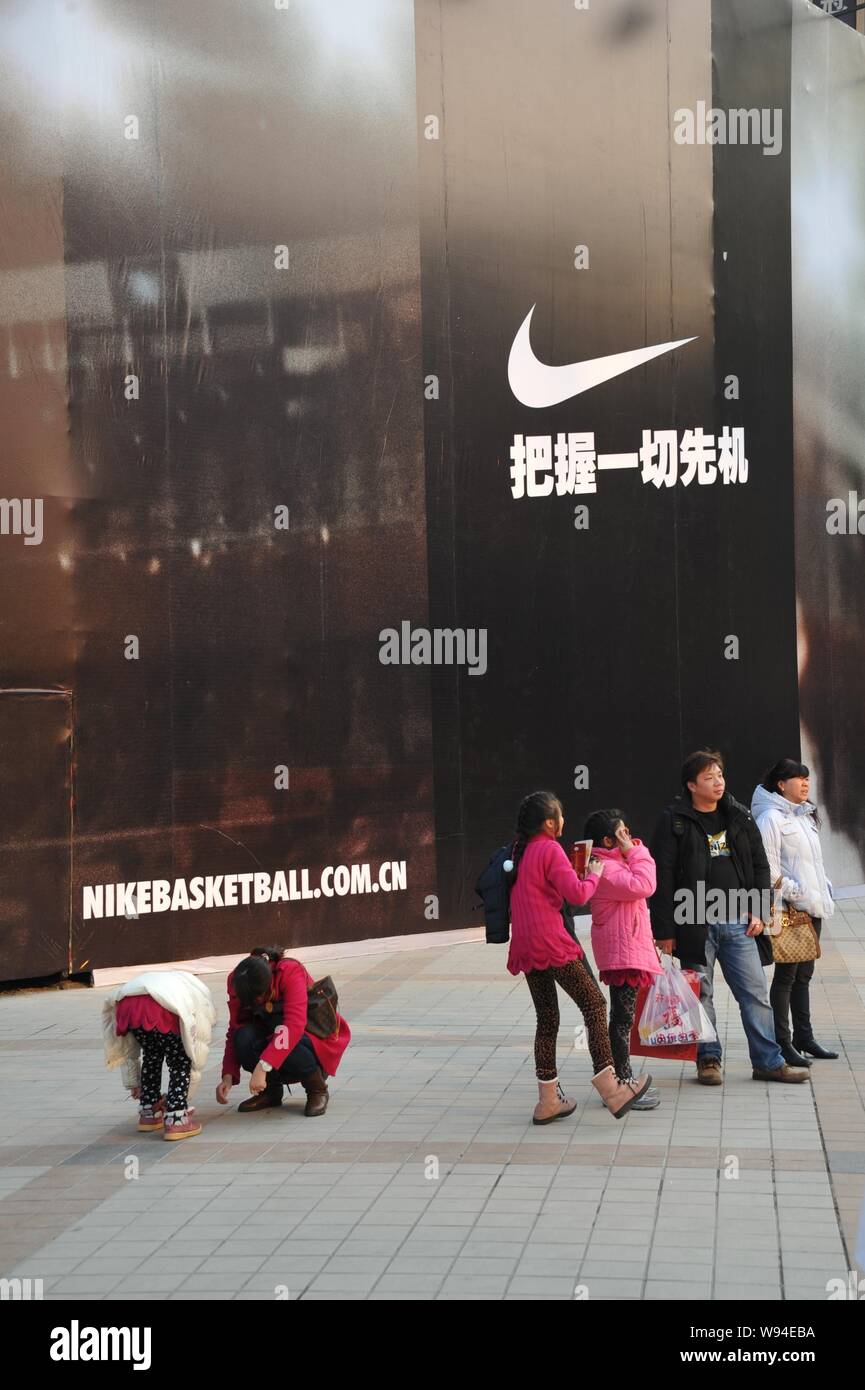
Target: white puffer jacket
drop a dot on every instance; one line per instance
(181, 993)
(793, 849)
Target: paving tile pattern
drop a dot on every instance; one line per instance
(425, 1179)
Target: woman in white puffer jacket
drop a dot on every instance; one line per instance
(789, 825)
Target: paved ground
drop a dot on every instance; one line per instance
(425, 1179)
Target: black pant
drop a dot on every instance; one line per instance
(249, 1043)
(157, 1047)
(790, 994)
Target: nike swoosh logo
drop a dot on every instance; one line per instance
(538, 385)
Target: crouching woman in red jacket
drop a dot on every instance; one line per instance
(266, 1035)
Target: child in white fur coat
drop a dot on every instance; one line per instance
(160, 1016)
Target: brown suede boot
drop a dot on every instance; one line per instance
(552, 1104)
(317, 1097)
(618, 1096)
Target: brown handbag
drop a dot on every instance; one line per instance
(321, 1009)
(793, 936)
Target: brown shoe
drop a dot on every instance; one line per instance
(709, 1071)
(317, 1097)
(268, 1099)
(785, 1073)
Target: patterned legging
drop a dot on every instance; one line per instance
(155, 1047)
(576, 981)
(623, 1004)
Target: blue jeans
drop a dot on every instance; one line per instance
(739, 959)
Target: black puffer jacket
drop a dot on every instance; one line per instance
(680, 850)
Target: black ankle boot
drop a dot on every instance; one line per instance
(792, 1057)
(813, 1049)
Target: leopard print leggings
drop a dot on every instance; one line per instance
(576, 981)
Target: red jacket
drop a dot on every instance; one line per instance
(291, 984)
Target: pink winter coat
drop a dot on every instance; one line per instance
(621, 929)
(545, 879)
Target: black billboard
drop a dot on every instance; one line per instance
(407, 389)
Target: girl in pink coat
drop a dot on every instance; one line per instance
(541, 880)
(622, 940)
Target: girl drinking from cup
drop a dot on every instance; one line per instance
(622, 941)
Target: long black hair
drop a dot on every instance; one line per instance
(534, 810)
(781, 771)
(603, 823)
(252, 976)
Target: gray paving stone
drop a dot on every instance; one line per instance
(676, 1290)
(227, 1227)
(616, 1288)
(541, 1286)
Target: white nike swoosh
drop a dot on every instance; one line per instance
(535, 384)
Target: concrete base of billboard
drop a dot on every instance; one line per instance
(216, 965)
(219, 965)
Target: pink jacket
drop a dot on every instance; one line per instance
(545, 880)
(621, 929)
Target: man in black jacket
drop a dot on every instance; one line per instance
(713, 875)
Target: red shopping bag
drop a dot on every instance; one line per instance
(684, 1052)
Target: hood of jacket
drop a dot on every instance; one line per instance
(180, 992)
(763, 801)
(599, 852)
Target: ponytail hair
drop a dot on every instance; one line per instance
(252, 977)
(603, 823)
(534, 810)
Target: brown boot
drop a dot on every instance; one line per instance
(618, 1096)
(709, 1071)
(552, 1104)
(315, 1086)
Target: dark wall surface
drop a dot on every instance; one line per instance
(828, 213)
(257, 386)
(261, 275)
(608, 645)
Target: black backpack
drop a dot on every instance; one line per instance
(494, 890)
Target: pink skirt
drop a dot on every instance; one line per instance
(543, 956)
(637, 979)
(140, 1011)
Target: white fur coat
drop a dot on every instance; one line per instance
(181, 993)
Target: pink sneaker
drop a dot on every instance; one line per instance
(179, 1124)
